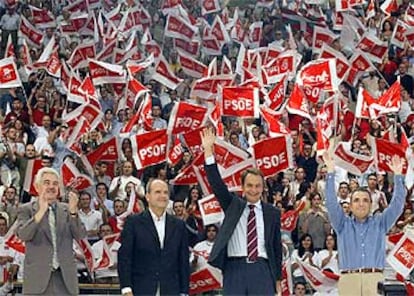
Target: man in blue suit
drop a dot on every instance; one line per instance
(154, 258)
(248, 247)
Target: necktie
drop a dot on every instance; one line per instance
(252, 251)
(52, 225)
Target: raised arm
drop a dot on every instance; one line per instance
(214, 179)
(395, 208)
(336, 214)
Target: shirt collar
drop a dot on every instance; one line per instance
(155, 217)
(258, 204)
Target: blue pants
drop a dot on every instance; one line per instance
(242, 278)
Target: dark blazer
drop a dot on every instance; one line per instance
(39, 248)
(233, 206)
(142, 264)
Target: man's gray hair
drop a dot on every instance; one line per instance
(43, 171)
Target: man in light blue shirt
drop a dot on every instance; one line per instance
(361, 236)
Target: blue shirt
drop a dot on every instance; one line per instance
(362, 244)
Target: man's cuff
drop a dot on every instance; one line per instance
(210, 160)
(126, 290)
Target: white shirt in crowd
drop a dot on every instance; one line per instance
(92, 220)
(121, 194)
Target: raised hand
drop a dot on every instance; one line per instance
(396, 164)
(329, 160)
(208, 138)
(73, 201)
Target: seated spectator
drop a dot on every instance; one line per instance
(101, 201)
(101, 176)
(9, 204)
(305, 252)
(191, 222)
(107, 275)
(118, 184)
(115, 221)
(91, 218)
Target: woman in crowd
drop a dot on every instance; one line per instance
(304, 253)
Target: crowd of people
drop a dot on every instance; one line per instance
(34, 123)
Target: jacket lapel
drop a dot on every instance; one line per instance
(151, 227)
(61, 215)
(44, 223)
(169, 228)
(267, 219)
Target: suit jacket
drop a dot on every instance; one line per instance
(233, 206)
(142, 264)
(39, 248)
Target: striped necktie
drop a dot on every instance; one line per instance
(252, 250)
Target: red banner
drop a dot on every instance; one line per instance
(149, 148)
(273, 155)
(186, 117)
(240, 102)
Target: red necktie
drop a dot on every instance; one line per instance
(252, 251)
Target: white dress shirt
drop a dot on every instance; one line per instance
(159, 226)
(237, 246)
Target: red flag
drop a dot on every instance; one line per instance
(389, 6)
(317, 77)
(273, 121)
(342, 63)
(285, 63)
(13, 241)
(297, 103)
(207, 87)
(80, 55)
(102, 72)
(175, 153)
(192, 48)
(185, 117)
(203, 280)
(73, 178)
(354, 163)
(178, 27)
(240, 102)
(273, 155)
(42, 18)
(30, 33)
(322, 36)
(149, 148)
(86, 249)
(33, 166)
(364, 101)
(9, 77)
(107, 151)
(255, 34)
(164, 75)
(209, 6)
(191, 66)
(373, 47)
(384, 151)
(320, 280)
(276, 97)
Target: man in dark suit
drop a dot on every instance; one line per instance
(154, 258)
(248, 248)
(48, 228)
